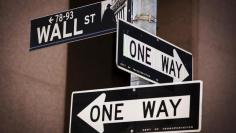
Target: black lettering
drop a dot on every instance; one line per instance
(107, 113)
(165, 63)
(141, 52)
(162, 109)
(132, 43)
(98, 113)
(172, 67)
(178, 67)
(148, 50)
(118, 111)
(148, 108)
(175, 105)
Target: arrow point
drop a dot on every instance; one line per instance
(85, 113)
(183, 72)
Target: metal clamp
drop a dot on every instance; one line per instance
(148, 17)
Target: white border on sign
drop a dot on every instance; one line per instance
(142, 86)
(131, 72)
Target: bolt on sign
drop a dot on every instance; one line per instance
(151, 57)
(77, 24)
(171, 107)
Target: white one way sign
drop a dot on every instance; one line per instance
(154, 58)
(151, 57)
(100, 112)
(149, 108)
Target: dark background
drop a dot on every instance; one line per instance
(35, 86)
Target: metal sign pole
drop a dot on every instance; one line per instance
(144, 16)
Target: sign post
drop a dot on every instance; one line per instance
(144, 13)
(150, 108)
(150, 57)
